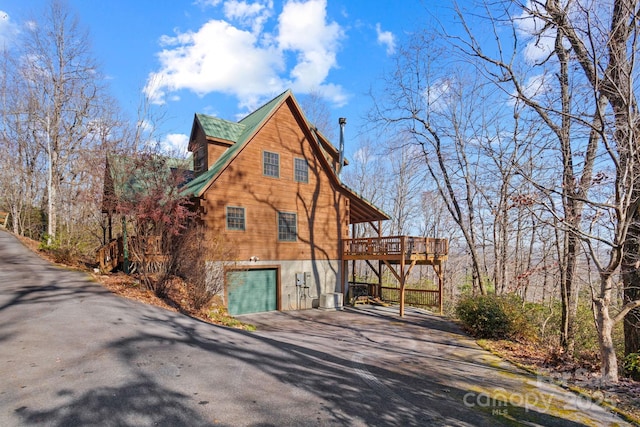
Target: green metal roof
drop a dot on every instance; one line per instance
(126, 178)
(239, 133)
(218, 128)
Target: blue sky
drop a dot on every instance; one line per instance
(226, 58)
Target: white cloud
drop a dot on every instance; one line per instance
(536, 86)
(175, 143)
(237, 56)
(331, 91)
(386, 38)
(205, 3)
(304, 30)
(437, 95)
(217, 58)
(364, 155)
(250, 15)
(145, 126)
(8, 31)
(540, 40)
(31, 25)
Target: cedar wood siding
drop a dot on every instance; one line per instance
(214, 148)
(320, 209)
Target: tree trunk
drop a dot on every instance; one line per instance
(15, 218)
(604, 323)
(52, 213)
(567, 332)
(631, 283)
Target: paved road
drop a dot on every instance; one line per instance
(72, 354)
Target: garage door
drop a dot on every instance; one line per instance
(251, 291)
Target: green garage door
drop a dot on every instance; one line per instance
(251, 291)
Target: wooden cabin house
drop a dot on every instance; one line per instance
(268, 188)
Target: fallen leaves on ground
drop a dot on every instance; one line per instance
(176, 299)
(624, 396)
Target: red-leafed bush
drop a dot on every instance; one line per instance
(157, 216)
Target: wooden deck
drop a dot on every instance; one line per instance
(400, 254)
(421, 250)
(111, 256)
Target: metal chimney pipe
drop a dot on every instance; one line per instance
(342, 121)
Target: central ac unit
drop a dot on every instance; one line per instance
(330, 301)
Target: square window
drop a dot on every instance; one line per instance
(271, 164)
(287, 227)
(235, 218)
(301, 170)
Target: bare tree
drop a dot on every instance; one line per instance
(197, 255)
(591, 58)
(62, 84)
(319, 114)
(605, 47)
(441, 111)
(367, 175)
(407, 180)
(557, 113)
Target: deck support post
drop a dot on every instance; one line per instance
(401, 276)
(379, 273)
(438, 269)
(343, 272)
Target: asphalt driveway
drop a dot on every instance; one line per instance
(71, 353)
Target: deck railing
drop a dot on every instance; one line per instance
(396, 245)
(413, 297)
(111, 255)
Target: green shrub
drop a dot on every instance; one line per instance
(494, 316)
(631, 366)
(63, 255)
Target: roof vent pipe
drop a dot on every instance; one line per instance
(342, 121)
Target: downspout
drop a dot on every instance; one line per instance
(342, 121)
(344, 274)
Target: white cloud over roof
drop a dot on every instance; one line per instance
(175, 144)
(240, 57)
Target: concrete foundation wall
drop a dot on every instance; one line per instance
(319, 277)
